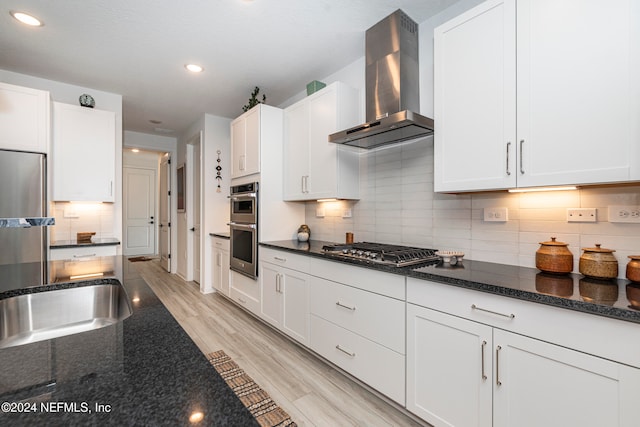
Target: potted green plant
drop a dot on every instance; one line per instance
(253, 101)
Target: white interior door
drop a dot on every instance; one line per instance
(196, 211)
(164, 220)
(140, 197)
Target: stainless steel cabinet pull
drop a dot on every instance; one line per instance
(498, 382)
(219, 260)
(279, 283)
(484, 344)
(302, 184)
(508, 146)
(352, 308)
(280, 259)
(84, 256)
(475, 307)
(521, 156)
(349, 353)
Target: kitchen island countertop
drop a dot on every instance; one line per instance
(144, 370)
(608, 298)
(105, 241)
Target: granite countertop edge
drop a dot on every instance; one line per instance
(313, 249)
(63, 244)
(221, 234)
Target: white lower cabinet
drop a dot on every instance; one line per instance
(220, 264)
(285, 300)
(361, 332)
(82, 252)
(449, 369)
(462, 372)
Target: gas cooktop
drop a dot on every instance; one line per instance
(379, 253)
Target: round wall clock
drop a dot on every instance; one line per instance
(87, 101)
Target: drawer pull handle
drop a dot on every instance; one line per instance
(348, 353)
(475, 307)
(498, 382)
(339, 304)
(84, 256)
(484, 375)
(277, 258)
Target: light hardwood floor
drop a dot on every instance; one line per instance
(311, 391)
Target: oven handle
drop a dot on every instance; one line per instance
(246, 196)
(235, 224)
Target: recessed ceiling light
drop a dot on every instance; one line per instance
(27, 19)
(194, 68)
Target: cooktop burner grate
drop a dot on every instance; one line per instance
(379, 253)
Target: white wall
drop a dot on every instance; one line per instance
(215, 205)
(398, 205)
(109, 216)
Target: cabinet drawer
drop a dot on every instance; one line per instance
(391, 285)
(244, 300)
(222, 244)
(376, 317)
(381, 368)
(83, 252)
(608, 338)
(285, 259)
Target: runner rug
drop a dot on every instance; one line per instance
(256, 400)
(139, 258)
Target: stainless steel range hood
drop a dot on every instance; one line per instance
(392, 87)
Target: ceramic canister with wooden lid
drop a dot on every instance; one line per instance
(633, 268)
(554, 257)
(598, 262)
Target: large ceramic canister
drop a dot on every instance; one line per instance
(554, 257)
(633, 268)
(598, 262)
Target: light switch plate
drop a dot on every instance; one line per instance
(319, 212)
(581, 215)
(347, 213)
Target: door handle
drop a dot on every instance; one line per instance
(160, 225)
(192, 229)
(150, 222)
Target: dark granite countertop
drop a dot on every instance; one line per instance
(221, 234)
(105, 241)
(617, 299)
(144, 370)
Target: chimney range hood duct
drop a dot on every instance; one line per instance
(392, 87)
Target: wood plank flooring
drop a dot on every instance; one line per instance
(311, 391)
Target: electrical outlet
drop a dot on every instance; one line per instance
(624, 214)
(319, 212)
(347, 213)
(496, 214)
(581, 215)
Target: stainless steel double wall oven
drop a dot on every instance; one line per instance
(244, 229)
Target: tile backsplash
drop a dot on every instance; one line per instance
(74, 217)
(397, 205)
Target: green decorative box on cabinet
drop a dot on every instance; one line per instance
(314, 86)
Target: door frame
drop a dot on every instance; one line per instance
(193, 142)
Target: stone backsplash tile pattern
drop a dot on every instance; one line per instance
(81, 217)
(398, 205)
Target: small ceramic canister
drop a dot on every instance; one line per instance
(554, 257)
(633, 268)
(599, 263)
(304, 232)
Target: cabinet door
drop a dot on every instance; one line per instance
(578, 91)
(238, 148)
(296, 151)
(83, 153)
(322, 180)
(540, 384)
(221, 271)
(252, 142)
(271, 303)
(449, 372)
(295, 316)
(475, 99)
(24, 119)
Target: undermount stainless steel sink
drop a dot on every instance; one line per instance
(51, 314)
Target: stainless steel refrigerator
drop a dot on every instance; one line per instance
(23, 248)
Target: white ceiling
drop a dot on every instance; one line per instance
(138, 48)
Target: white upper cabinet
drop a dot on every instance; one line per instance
(245, 142)
(24, 119)
(540, 94)
(315, 168)
(84, 152)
